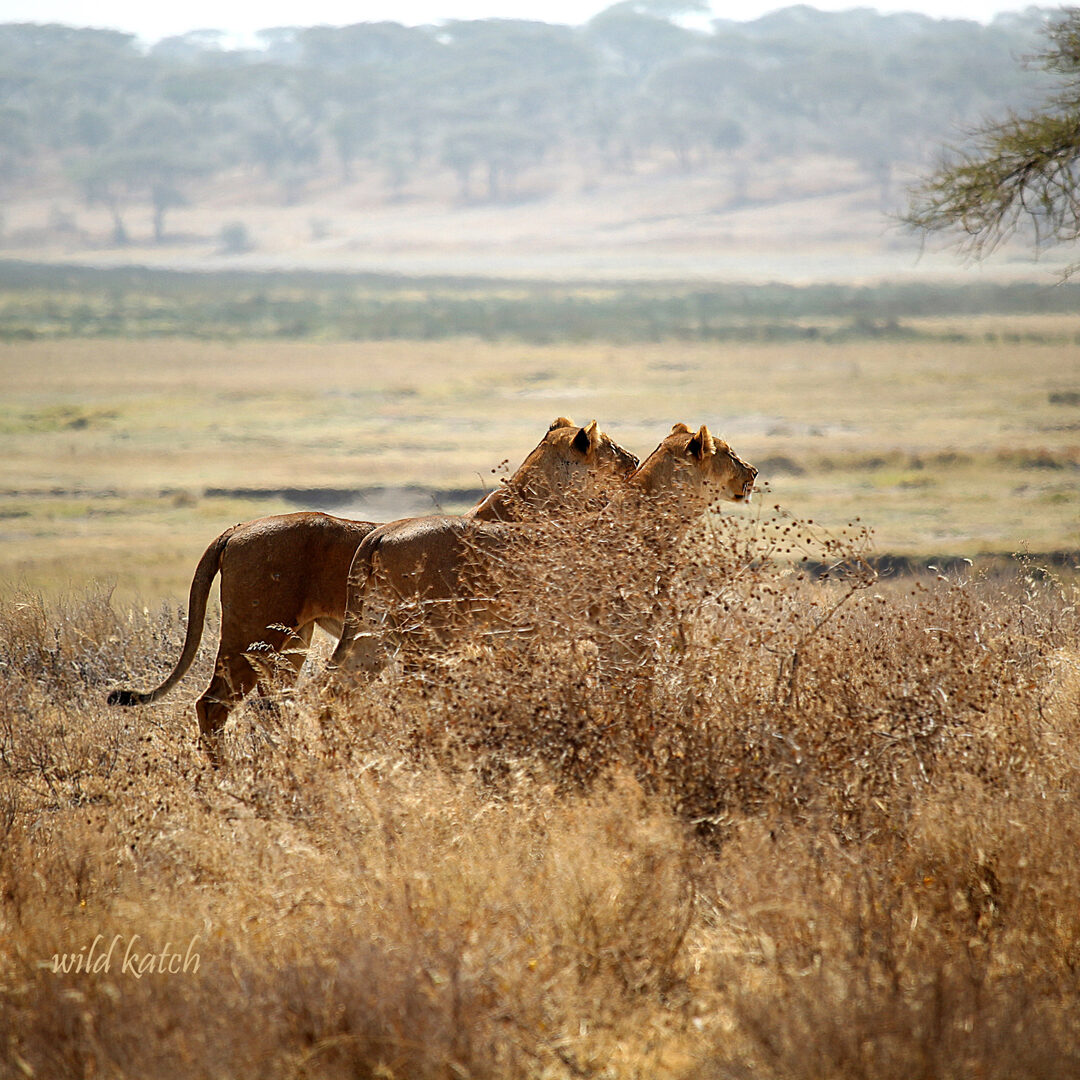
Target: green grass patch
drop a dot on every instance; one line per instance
(45, 302)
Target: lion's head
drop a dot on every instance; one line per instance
(695, 465)
(567, 452)
(564, 459)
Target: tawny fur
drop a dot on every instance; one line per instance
(281, 576)
(439, 562)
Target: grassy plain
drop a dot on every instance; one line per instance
(801, 830)
(121, 459)
(744, 825)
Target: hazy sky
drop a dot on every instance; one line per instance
(153, 19)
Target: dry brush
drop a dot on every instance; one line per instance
(680, 809)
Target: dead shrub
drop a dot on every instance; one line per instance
(674, 808)
(701, 658)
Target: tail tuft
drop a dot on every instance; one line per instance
(125, 697)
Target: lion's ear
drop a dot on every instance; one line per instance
(702, 444)
(680, 429)
(586, 438)
(560, 421)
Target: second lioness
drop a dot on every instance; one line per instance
(439, 563)
(282, 576)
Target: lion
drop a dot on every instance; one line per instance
(438, 562)
(566, 456)
(695, 469)
(283, 575)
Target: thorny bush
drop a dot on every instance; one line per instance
(705, 657)
(675, 807)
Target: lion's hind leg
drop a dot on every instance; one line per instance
(292, 647)
(263, 666)
(234, 677)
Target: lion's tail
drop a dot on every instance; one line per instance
(208, 566)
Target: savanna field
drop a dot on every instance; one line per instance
(741, 802)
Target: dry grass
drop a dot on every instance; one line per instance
(709, 819)
(945, 448)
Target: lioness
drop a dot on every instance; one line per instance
(695, 469)
(566, 456)
(282, 576)
(438, 562)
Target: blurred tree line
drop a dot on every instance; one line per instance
(484, 102)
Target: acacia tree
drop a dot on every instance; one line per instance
(1021, 171)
